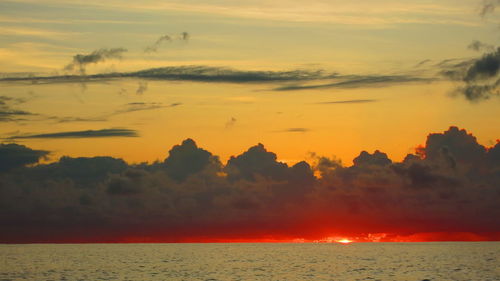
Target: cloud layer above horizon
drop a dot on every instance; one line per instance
(449, 185)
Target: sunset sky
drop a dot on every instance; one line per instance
(310, 80)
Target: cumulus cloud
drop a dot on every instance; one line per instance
(81, 134)
(186, 159)
(80, 61)
(448, 185)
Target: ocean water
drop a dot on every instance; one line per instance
(269, 261)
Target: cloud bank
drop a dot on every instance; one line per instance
(448, 187)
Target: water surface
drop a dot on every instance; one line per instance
(357, 261)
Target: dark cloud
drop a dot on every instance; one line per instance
(80, 61)
(187, 159)
(377, 158)
(184, 36)
(480, 77)
(456, 143)
(448, 185)
(228, 75)
(347, 101)
(353, 81)
(220, 74)
(256, 161)
(81, 134)
(484, 68)
(189, 73)
(14, 155)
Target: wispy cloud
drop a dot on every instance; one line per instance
(104, 133)
(347, 101)
(8, 113)
(184, 36)
(180, 73)
(488, 7)
(359, 81)
(363, 13)
(36, 32)
(294, 130)
(80, 61)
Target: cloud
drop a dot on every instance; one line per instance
(256, 161)
(377, 158)
(81, 134)
(422, 62)
(479, 46)
(80, 61)
(221, 74)
(488, 7)
(481, 77)
(447, 186)
(14, 156)
(484, 68)
(143, 87)
(355, 81)
(184, 36)
(189, 73)
(8, 113)
(69, 119)
(348, 101)
(187, 159)
(228, 75)
(230, 123)
(295, 130)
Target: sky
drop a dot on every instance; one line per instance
(107, 106)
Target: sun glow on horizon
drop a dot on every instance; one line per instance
(344, 241)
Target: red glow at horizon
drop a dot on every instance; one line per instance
(344, 241)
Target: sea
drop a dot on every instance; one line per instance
(252, 261)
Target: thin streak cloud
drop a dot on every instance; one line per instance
(348, 101)
(104, 133)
